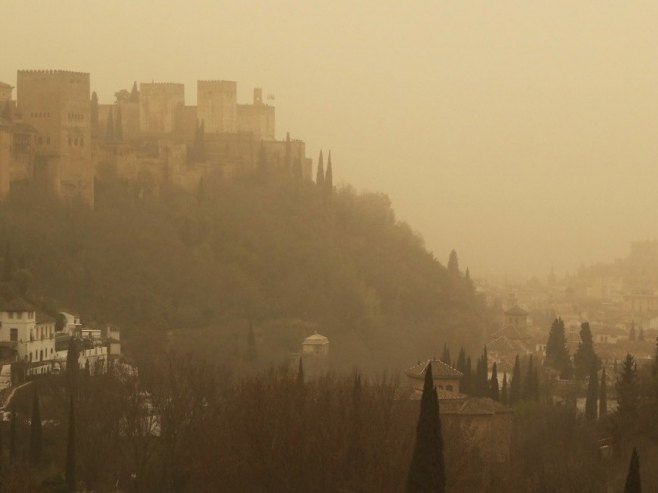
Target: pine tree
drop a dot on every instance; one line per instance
(118, 127)
(633, 483)
(319, 178)
(134, 93)
(445, 357)
(453, 263)
(585, 359)
(494, 389)
(627, 394)
(592, 396)
(109, 131)
(35, 431)
(427, 469)
(603, 395)
(12, 435)
(504, 397)
(70, 449)
(557, 354)
(515, 384)
(329, 177)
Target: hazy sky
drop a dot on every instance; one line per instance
(522, 133)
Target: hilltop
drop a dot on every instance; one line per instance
(274, 253)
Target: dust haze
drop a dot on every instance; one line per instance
(519, 133)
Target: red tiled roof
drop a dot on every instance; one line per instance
(439, 370)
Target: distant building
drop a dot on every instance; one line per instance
(445, 376)
(315, 345)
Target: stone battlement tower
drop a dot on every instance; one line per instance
(159, 103)
(57, 104)
(217, 103)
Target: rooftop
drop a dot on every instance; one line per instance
(18, 305)
(439, 370)
(316, 339)
(516, 311)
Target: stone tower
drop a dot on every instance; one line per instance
(217, 105)
(159, 103)
(57, 104)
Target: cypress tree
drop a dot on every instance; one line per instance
(319, 178)
(633, 483)
(603, 395)
(72, 366)
(329, 177)
(134, 93)
(453, 263)
(427, 469)
(585, 359)
(631, 333)
(528, 391)
(35, 431)
(557, 354)
(94, 110)
(109, 131)
(70, 449)
(592, 396)
(355, 454)
(515, 385)
(627, 395)
(118, 130)
(494, 389)
(461, 361)
(12, 435)
(467, 387)
(504, 397)
(300, 372)
(445, 357)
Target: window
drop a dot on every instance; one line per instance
(41, 354)
(13, 335)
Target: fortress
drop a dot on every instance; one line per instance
(57, 135)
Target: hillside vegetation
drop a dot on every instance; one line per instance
(274, 254)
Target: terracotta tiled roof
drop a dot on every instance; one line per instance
(439, 370)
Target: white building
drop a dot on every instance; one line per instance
(32, 334)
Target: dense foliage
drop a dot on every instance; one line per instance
(276, 254)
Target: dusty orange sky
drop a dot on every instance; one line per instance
(523, 134)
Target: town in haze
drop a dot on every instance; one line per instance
(352, 248)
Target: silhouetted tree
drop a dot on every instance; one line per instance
(329, 176)
(592, 396)
(603, 395)
(445, 357)
(70, 470)
(515, 384)
(427, 469)
(300, 372)
(529, 391)
(585, 359)
(557, 354)
(467, 380)
(453, 263)
(627, 394)
(494, 389)
(72, 365)
(134, 93)
(35, 431)
(504, 397)
(319, 178)
(94, 110)
(631, 332)
(633, 483)
(640, 335)
(12, 435)
(461, 360)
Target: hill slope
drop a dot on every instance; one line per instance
(263, 251)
